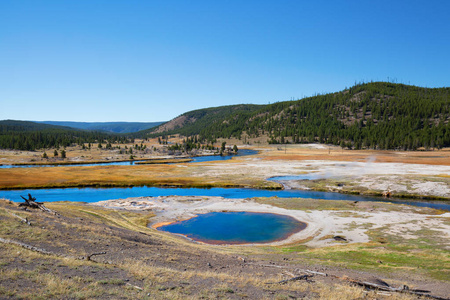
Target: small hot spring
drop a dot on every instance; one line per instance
(308, 176)
(236, 227)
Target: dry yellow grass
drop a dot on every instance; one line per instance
(96, 176)
(295, 152)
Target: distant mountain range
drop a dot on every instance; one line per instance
(116, 127)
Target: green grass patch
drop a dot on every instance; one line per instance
(296, 248)
(394, 258)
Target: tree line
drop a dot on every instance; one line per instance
(30, 136)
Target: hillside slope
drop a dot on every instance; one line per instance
(191, 123)
(373, 115)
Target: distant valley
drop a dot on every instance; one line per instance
(116, 127)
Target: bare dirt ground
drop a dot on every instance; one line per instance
(136, 261)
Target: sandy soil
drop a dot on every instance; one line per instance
(322, 224)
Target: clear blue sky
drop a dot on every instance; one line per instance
(90, 60)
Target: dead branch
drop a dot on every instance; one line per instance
(43, 251)
(93, 254)
(25, 220)
(401, 289)
(135, 286)
(315, 273)
(272, 266)
(365, 284)
(301, 277)
(29, 247)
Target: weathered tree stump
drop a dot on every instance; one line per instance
(31, 203)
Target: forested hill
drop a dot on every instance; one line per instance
(191, 123)
(117, 127)
(24, 135)
(372, 115)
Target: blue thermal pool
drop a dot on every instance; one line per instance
(236, 227)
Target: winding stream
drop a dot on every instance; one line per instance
(100, 194)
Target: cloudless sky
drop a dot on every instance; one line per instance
(92, 60)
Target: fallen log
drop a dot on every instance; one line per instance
(46, 252)
(25, 220)
(316, 273)
(29, 247)
(365, 284)
(401, 289)
(271, 266)
(301, 277)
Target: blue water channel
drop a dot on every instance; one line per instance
(207, 158)
(236, 227)
(100, 194)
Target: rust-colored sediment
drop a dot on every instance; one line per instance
(160, 224)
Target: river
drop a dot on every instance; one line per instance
(100, 194)
(206, 158)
